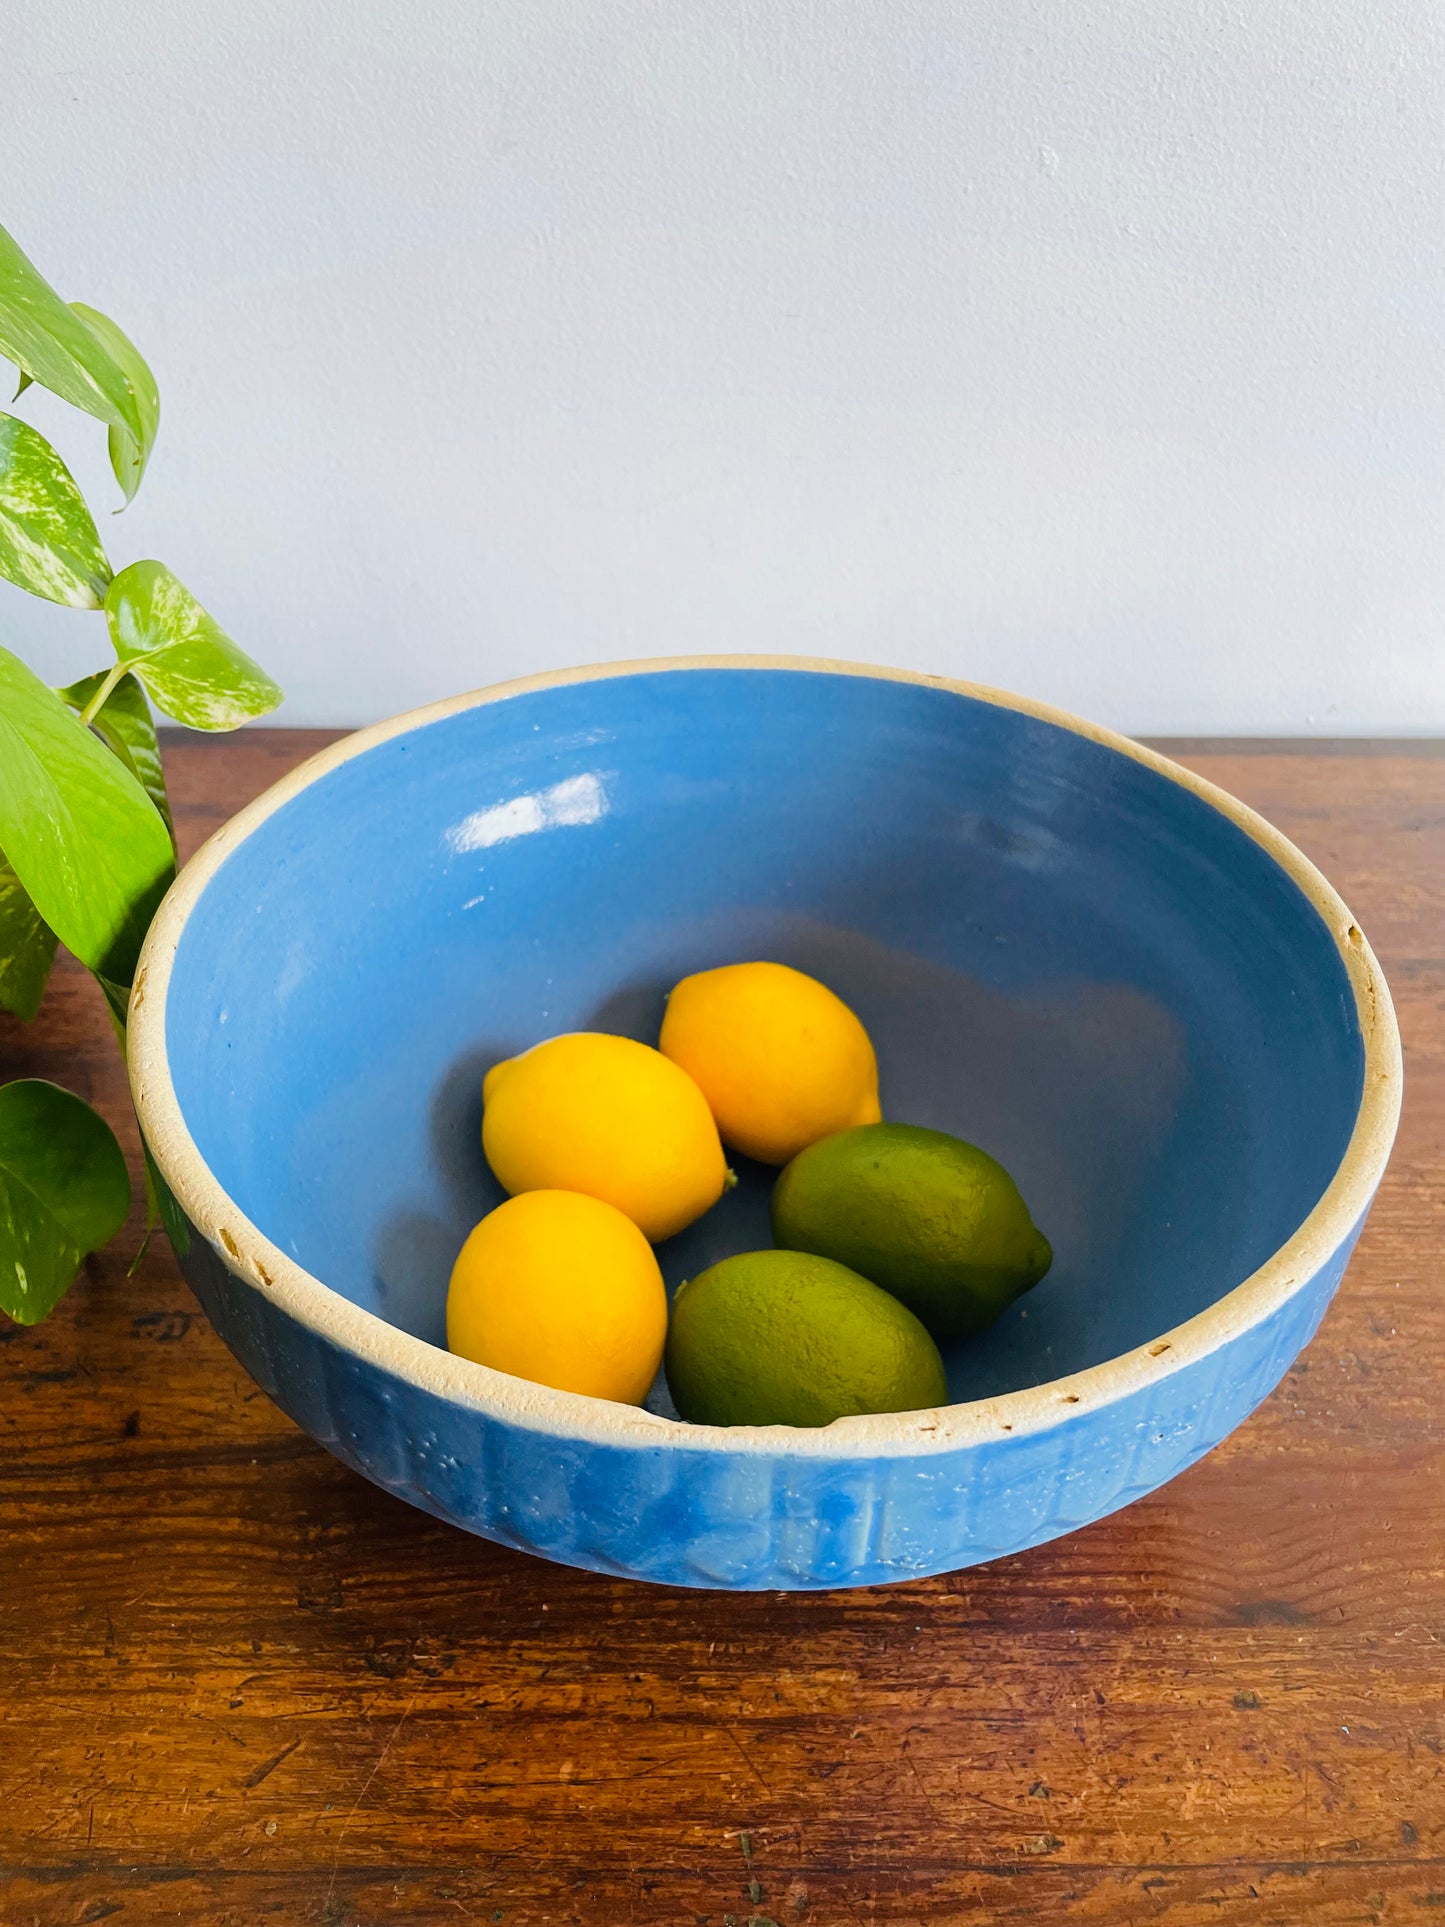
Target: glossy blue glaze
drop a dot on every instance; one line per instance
(1060, 953)
(749, 1520)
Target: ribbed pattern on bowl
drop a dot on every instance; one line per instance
(745, 1519)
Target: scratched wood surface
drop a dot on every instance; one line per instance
(239, 1685)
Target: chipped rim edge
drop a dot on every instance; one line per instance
(251, 1256)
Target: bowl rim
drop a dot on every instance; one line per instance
(247, 1252)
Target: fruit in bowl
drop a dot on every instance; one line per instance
(931, 1218)
(800, 1336)
(605, 1115)
(784, 1338)
(560, 1288)
(781, 1060)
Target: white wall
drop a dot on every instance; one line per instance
(1090, 347)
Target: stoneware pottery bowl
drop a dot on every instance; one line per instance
(1115, 978)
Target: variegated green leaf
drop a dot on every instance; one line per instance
(128, 455)
(48, 542)
(49, 342)
(125, 725)
(187, 662)
(81, 833)
(27, 947)
(64, 1191)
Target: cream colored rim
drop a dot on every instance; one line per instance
(248, 1253)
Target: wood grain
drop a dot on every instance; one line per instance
(238, 1685)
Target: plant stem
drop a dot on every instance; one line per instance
(102, 695)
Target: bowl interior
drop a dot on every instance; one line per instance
(1060, 953)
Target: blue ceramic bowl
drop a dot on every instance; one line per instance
(1115, 978)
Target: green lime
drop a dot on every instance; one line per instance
(932, 1219)
(784, 1338)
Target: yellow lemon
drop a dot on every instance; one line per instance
(562, 1289)
(608, 1116)
(780, 1059)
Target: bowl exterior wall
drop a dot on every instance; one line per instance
(737, 1519)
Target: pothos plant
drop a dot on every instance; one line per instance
(87, 846)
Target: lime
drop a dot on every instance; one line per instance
(930, 1218)
(784, 1338)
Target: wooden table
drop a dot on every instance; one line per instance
(238, 1685)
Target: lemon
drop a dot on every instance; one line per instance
(560, 1288)
(931, 1218)
(608, 1116)
(782, 1338)
(780, 1059)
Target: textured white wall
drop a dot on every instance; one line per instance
(1091, 347)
